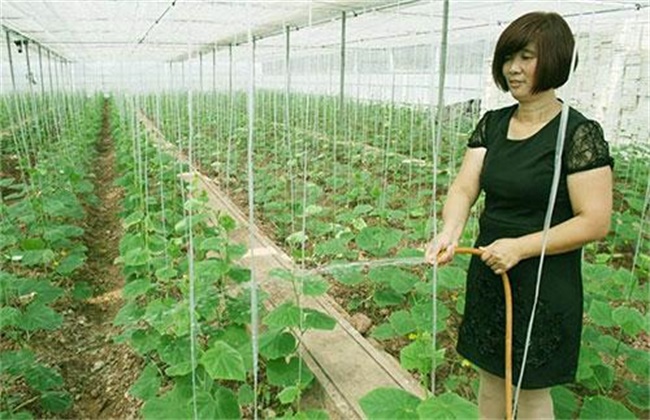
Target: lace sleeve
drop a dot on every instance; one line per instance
(479, 136)
(587, 148)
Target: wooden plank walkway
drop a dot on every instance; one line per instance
(345, 363)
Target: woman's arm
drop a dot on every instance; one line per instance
(461, 196)
(590, 193)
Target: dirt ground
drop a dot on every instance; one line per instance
(97, 372)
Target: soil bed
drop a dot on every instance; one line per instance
(97, 372)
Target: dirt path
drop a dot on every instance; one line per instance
(97, 372)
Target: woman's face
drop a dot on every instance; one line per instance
(519, 71)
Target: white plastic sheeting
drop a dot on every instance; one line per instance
(158, 30)
(391, 48)
(127, 30)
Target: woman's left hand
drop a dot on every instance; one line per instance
(501, 255)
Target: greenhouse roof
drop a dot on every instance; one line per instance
(127, 30)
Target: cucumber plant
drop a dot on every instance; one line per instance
(350, 191)
(160, 286)
(44, 192)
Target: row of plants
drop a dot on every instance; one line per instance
(372, 191)
(45, 186)
(187, 308)
(29, 119)
(351, 196)
(369, 178)
(357, 177)
(353, 234)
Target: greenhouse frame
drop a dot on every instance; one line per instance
(220, 209)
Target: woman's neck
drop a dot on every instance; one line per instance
(541, 108)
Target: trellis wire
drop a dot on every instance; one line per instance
(637, 250)
(410, 155)
(339, 132)
(231, 119)
(190, 251)
(161, 190)
(639, 241)
(17, 129)
(38, 120)
(251, 213)
(179, 135)
(32, 100)
(631, 169)
(146, 166)
(303, 245)
(136, 149)
(387, 135)
(287, 122)
(423, 141)
(350, 138)
(437, 120)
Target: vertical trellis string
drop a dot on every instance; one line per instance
(161, 178)
(190, 251)
(436, 146)
(287, 123)
(231, 117)
(639, 240)
(251, 205)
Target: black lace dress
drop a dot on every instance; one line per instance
(516, 178)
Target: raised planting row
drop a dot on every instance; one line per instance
(45, 186)
(355, 203)
(296, 174)
(176, 254)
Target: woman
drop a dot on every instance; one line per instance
(510, 156)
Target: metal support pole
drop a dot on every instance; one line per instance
(442, 72)
(71, 75)
(287, 116)
(214, 69)
(442, 65)
(391, 69)
(171, 79)
(31, 81)
(84, 82)
(40, 67)
(287, 71)
(30, 76)
(201, 71)
(49, 65)
(56, 97)
(11, 62)
(231, 118)
(200, 97)
(230, 71)
(57, 66)
(251, 217)
(183, 83)
(67, 74)
(42, 83)
(342, 78)
(341, 114)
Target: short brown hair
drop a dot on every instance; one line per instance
(553, 38)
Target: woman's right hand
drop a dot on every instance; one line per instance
(441, 249)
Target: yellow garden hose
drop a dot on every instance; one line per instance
(508, 299)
